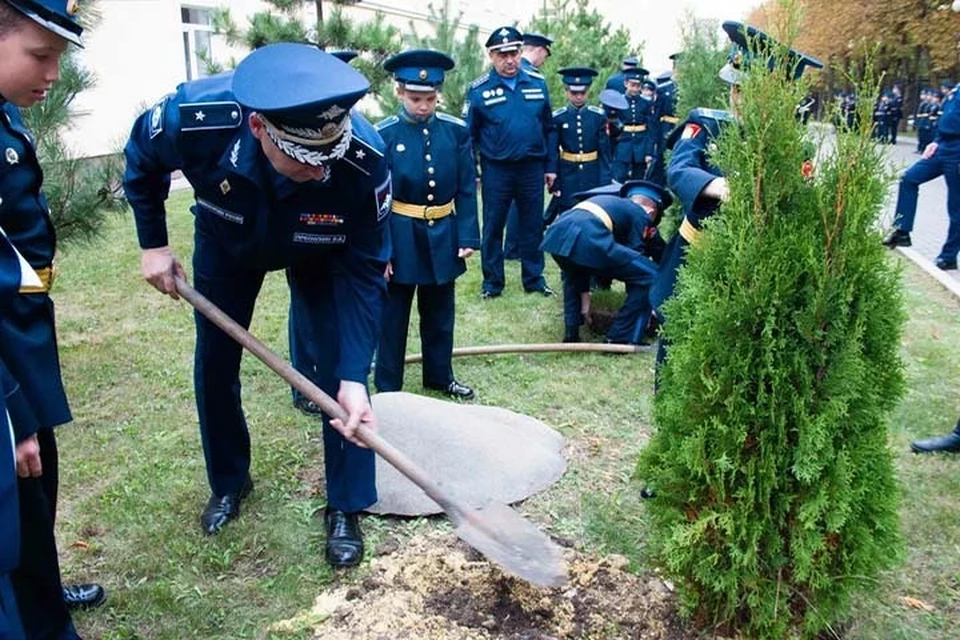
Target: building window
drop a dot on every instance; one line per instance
(197, 31)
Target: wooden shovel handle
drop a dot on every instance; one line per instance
(384, 449)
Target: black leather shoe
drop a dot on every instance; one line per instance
(488, 295)
(571, 336)
(949, 443)
(455, 390)
(344, 539)
(83, 596)
(308, 407)
(897, 238)
(545, 291)
(222, 509)
(947, 265)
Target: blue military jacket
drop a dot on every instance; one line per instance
(578, 132)
(690, 167)
(667, 106)
(263, 220)
(635, 146)
(511, 125)
(9, 509)
(948, 119)
(28, 343)
(432, 163)
(581, 235)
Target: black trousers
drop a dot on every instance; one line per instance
(36, 581)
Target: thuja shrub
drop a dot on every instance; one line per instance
(775, 490)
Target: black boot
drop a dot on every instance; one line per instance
(949, 443)
(83, 596)
(344, 538)
(222, 509)
(897, 238)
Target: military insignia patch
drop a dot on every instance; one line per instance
(384, 199)
(691, 131)
(225, 187)
(156, 119)
(423, 74)
(12, 156)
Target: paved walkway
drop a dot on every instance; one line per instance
(930, 226)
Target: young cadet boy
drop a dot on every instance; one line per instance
(34, 34)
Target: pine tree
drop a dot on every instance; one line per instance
(582, 38)
(375, 40)
(464, 49)
(81, 192)
(702, 56)
(776, 495)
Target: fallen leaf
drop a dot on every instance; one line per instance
(913, 603)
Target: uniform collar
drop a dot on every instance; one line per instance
(521, 77)
(246, 159)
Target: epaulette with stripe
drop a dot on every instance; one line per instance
(560, 111)
(596, 109)
(204, 116)
(534, 74)
(711, 114)
(366, 146)
(383, 124)
(479, 81)
(446, 117)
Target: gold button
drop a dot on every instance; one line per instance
(430, 197)
(430, 223)
(432, 183)
(426, 132)
(428, 158)
(430, 170)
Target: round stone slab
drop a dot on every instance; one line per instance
(476, 452)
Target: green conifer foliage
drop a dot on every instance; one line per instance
(81, 192)
(696, 74)
(776, 496)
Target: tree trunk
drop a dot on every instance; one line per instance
(319, 4)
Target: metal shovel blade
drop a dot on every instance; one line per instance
(513, 543)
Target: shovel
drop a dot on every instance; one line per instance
(495, 530)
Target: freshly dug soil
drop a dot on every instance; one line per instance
(437, 588)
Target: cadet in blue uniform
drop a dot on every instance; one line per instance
(584, 146)
(10, 627)
(699, 184)
(508, 113)
(535, 51)
(921, 121)
(33, 36)
(285, 175)
(606, 235)
(940, 158)
(666, 103)
(434, 222)
(617, 82)
(639, 137)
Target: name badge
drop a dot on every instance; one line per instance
(319, 238)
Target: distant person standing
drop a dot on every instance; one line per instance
(940, 158)
(640, 133)
(508, 113)
(894, 113)
(535, 51)
(616, 82)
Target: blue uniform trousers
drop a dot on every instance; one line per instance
(511, 244)
(10, 628)
(504, 182)
(435, 303)
(624, 170)
(233, 287)
(36, 581)
(945, 162)
(634, 314)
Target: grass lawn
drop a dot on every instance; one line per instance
(133, 479)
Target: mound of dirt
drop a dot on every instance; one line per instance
(437, 588)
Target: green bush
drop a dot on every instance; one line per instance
(776, 497)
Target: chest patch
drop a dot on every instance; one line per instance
(315, 219)
(384, 199)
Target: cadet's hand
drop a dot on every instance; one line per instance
(929, 151)
(648, 159)
(354, 400)
(717, 189)
(159, 267)
(464, 252)
(388, 272)
(548, 179)
(28, 458)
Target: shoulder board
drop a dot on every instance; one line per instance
(388, 122)
(560, 111)
(711, 114)
(479, 81)
(534, 74)
(596, 109)
(366, 146)
(446, 117)
(204, 116)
